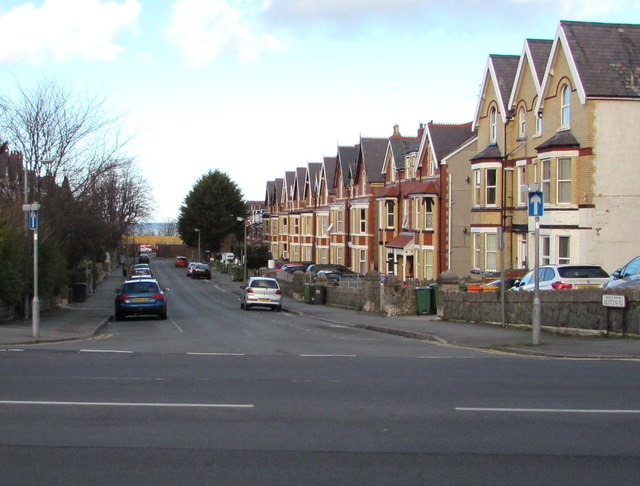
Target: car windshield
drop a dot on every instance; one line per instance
(201, 266)
(264, 284)
(582, 272)
(140, 288)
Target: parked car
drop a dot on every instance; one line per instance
(330, 267)
(190, 266)
(144, 258)
(182, 262)
(294, 267)
(141, 269)
(626, 276)
(261, 292)
(140, 297)
(556, 277)
(508, 283)
(199, 270)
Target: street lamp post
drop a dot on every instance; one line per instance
(31, 216)
(199, 252)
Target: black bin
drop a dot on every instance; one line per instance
(320, 295)
(79, 292)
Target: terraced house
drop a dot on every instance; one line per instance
(564, 114)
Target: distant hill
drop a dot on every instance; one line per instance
(155, 229)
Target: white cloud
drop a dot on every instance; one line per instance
(64, 30)
(205, 29)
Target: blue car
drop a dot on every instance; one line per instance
(140, 297)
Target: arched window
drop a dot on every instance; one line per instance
(522, 121)
(493, 120)
(566, 106)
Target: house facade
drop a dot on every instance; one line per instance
(561, 117)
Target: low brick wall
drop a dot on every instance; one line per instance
(577, 309)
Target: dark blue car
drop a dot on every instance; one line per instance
(140, 297)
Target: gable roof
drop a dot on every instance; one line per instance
(604, 59)
(300, 180)
(279, 182)
(346, 158)
(536, 53)
(371, 155)
(289, 182)
(270, 193)
(501, 69)
(313, 173)
(329, 169)
(400, 147)
(444, 139)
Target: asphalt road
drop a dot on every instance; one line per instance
(216, 395)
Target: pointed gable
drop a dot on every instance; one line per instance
(400, 147)
(604, 58)
(500, 73)
(444, 138)
(327, 176)
(371, 158)
(312, 177)
(270, 194)
(534, 58)
(346, 161)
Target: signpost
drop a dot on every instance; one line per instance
(32, 210)
(536, 209)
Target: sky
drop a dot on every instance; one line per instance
(255, 88)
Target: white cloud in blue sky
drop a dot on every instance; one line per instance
(65, 29)
(258, 87)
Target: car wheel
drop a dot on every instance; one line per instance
(246, 307)
(241, 305)
(279, 308)
(118, 317)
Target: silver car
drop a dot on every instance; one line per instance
(261, 292)
(557, 277)
(627, 276)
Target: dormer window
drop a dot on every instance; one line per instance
(566, 106)
(493, 120)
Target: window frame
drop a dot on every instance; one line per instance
(564, 185)
(491, 252)
(545, 180)
(493, 124)
(491, 189)
(563, 245)
(522, 122)
(565, 106)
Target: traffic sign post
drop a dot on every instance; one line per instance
(32, 210)
(536, 209)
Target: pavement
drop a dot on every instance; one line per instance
(83, 320)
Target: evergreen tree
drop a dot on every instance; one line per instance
(213, 206)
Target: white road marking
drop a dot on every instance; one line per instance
(105, 351)
(328, 355)
(216, 354)
(176, 324)
(127, 404)
(12, 350)
(547, 410)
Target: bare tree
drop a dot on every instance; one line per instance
(169, 228)
(62, 135)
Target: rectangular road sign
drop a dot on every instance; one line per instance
(33, 220)
(614, 301)
(536, 204)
